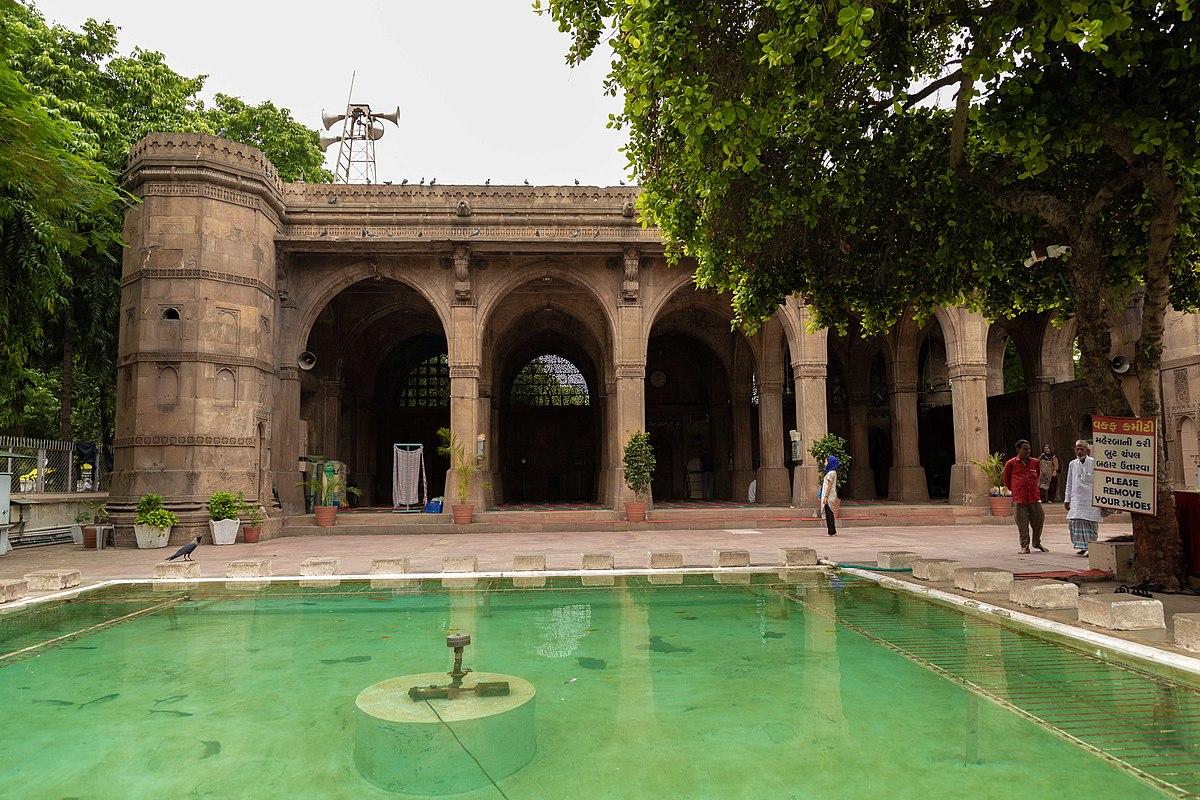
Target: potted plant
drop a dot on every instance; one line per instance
(464, 467)
(223, 508)
(153, 523)
(638, 463)
(832, 445)
(252, 518)
(87, 519)
(999, 497)
(325, 490)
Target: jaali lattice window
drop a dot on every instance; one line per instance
(549, 380)
(427, 384)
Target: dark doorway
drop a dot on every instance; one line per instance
(412, 400)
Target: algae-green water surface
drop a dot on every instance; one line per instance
(804, 689)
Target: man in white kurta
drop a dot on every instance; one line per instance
(1083, 519)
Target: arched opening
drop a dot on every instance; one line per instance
(380, 378)
(1189, 453)
(935, 422)
(879, 435)
(170, 313)
(1010, 415)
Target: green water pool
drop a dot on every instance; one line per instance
(803, 686)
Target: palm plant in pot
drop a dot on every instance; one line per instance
(153, 523)
(999, 497)
(325, 490)
(223, 521)
(638, 462)
(464, 467)
(87, 520)
(252, 520)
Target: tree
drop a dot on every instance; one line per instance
(293, 148)
(789, 147)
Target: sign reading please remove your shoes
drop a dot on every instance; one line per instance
(1126, 453)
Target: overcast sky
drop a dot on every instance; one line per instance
(482, 85)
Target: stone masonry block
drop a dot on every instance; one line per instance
(598, 580)
(389, 566)
(597, 560)
(177, 569)
(1044, 594)
(732, 577)
(320, 566)
(52, 580)
(666, 560)
(1121, 612)
(935, 569)
(665, 580)
(797, 557)
(460, 564)
(1187, 631)
(248, 568)
(531, 582)
(12, 590)
(1115, 557)
(529, 562)
(731, 558)
(895, 559)
(982, 579)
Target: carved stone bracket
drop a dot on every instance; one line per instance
(462, 274)
(630, 369)
(630, 285)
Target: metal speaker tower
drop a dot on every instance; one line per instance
(361, 127)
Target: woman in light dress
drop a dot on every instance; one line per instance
(1083, 519)
(829, 494)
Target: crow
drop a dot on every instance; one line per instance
(186, 551)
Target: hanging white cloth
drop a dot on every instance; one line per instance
(408, 469)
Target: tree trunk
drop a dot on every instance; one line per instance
(68, 379)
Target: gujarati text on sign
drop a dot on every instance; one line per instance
(1126, 453)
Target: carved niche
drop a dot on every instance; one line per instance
(630, 285)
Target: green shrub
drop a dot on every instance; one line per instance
(831, 444)
(158, 517)
(463, 463)
(252, 514)
(225, 505)
(91, 514)
(148, 502)
(639, 463)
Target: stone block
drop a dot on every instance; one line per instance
(666, 560)
(311, 584)
(731, 558)
(1187, 631)
(52, 580)
(389, 566)
(460, 564)
(247, 586)
(12, 590)
(599, 580)
(1044, 594)
(665, 580)
(732, 577)
(935, 569)
(529, 562)
(459, 583)
(597, 560)
(982, 579)
(320, 566)
(1121, 612)
(531, 582)
(177, 569)
(797, 557)
(895, 559)
(1114, 557)
(248, 568)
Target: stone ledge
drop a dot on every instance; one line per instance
(665, 559)
(1187, 631)
(177, 569)
(460, 564)
(248, 568)
(935, 569)
(12, 590)
(896, 559)
(1049, 594)
(389, 566)
(731, 558)
(529, 562)
(598, 561)
(981, 580)
(1121, 612)
(52, 580)
(797, 557)
(320, 566)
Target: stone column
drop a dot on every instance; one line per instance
(743, 451)
(331, 410)
(626, 403)
(862, 480)
(810, 365)
(773, 486)
(285, 449)
(1041, 417)
(968, 387)
(465, 424)
(906, 478)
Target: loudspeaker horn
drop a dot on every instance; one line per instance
(325, 141)
(393, 117)
(1120, 364)
(375, 131)
(306, 361)
(331, 119)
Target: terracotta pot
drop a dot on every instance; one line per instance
(635, 510)
(326, 516)
(1001, 506)
(462, 513)
(89, 537)
(251, 533)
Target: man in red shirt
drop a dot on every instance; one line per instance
(1021, 475)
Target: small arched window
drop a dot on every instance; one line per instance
(549, 380)
(170, 313)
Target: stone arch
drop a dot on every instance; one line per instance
(1055, 357)
(225, 386)
(1187, 447)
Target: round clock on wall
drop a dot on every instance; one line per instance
(658, 379)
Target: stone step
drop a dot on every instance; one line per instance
(1121, 612)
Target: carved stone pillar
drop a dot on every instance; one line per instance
(862, 479)
(628, 416)
(968, 387)
(906, 478)
(1041, 414)
(286, 432)
(331, 407)
(810, 366)
(743, 446)
(773, 485)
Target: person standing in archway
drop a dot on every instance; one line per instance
(1022, 475)
(829, 493)
(1048, 474)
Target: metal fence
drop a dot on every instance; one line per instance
(50, 466)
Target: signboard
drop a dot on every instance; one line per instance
(1126, 453)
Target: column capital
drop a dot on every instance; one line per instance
(630, 369)
(967, 370)
(903, 387)
(332, 386)
(810, 369)
(464, 371)
(289, 372)
(770, 387)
